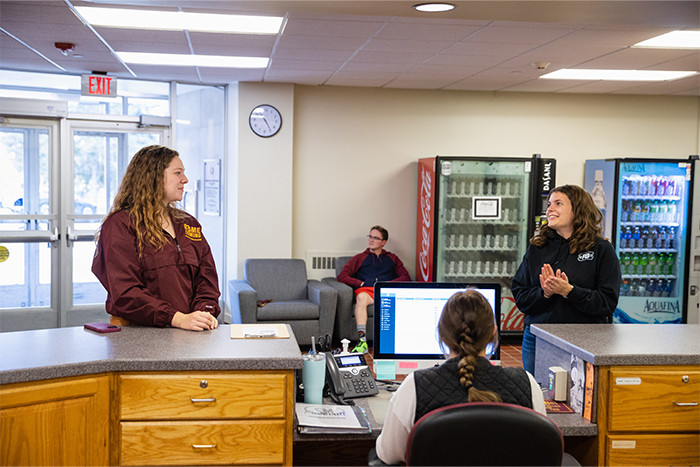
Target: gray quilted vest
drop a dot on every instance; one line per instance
(438, 387)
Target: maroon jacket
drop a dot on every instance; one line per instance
(370, 268)
(151, 289)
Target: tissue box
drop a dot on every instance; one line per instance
(558, 382)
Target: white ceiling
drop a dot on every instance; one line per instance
(480, 46)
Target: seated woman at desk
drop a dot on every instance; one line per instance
(152, 257)
(466, 327)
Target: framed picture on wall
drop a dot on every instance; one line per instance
(212, 187)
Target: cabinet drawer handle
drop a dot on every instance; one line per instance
(204, 446)
(213, 399)
(685, 404)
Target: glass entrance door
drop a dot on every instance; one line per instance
(59, 180)
(100, 154)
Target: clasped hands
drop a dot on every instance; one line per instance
(195, 321)
(554, 283)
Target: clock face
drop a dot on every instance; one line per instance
(265, 121)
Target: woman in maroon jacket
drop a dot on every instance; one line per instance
(152, 257)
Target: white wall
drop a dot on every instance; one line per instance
(355, 149)
(259, 182)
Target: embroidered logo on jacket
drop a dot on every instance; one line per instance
(587, 256)
(193, 233)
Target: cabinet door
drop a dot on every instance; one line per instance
(655, 400)
(653, 450)
(63, 422)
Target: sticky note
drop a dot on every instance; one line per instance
(385, 369)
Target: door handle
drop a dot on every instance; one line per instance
(213, 399)
(685, 404)
(54, 236)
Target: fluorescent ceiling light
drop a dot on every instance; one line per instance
(673, 40)
(434, 7)
(179, 21)
(218, 61)
(617, 75)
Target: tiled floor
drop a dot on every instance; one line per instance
(511, 355)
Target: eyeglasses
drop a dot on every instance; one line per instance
(379, 239)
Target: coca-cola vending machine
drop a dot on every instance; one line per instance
(647, 217)
(475, 218)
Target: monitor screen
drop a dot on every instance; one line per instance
(406, 316)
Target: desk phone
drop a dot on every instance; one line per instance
(349, 375)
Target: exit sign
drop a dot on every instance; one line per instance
(98, 85)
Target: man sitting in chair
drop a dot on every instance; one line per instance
(363, 270)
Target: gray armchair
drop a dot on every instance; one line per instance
(308, 306)
(345, 326)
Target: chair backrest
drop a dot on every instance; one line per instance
(277, 279)
(484, 433)
(340, 263)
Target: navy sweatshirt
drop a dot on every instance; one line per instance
(595, 275)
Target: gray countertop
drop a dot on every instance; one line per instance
(57, 353)
(626, 344)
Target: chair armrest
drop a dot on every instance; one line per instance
(326, 297)
(373, 459)
(244, 300)
(345, 314)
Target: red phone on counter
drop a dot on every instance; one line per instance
(102, 327)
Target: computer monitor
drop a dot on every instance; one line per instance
(406, 316)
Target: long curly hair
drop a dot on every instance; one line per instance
(466, 327)
(587, 220)
(142, 192)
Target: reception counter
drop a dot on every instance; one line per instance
(145, 396)
(646, 388)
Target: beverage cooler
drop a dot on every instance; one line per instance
(475, 218)
(647, 217)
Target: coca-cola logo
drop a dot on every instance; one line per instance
(425, 209)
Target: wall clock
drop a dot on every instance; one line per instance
(265, 121)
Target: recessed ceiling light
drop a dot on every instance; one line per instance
(218, 61)
(178, 21)
(617, 75)
(434, 7)
(673, 40)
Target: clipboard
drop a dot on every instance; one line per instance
(259, 331)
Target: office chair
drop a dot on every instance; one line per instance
(484, 433)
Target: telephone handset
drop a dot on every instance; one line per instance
(349, 376)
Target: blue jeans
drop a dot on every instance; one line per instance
(528, 351)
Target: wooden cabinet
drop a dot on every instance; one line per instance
(649, 415)
(56, 422)
(206, 418)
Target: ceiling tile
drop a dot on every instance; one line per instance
(421, 31)
(316, 65)
(405, 45)
(388, 57)
(309, 54)
(518, 35)
(635, 59)
(364, 82)
(333, 28)
(488, 48)
(322, 43)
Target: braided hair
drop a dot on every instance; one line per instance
(466, 326)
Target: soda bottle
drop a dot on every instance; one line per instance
(643, 186)
(625, 214)
(650, 288)
(644, 238)
(671, 212)
(634, 288)
(643, 262)
(636, 235)
(636, 212)
(671, 187)
(661, 239)
(668, 289)
(625, 288)
(661, 187)
(628, 237)
(654, 211)
(651, 265)
(660, 264)
(625, 187)
(634, 187)
(659, 288)
(634, 263)
(670, 237)
(670, 264)
(652, 186)
(645, 212)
